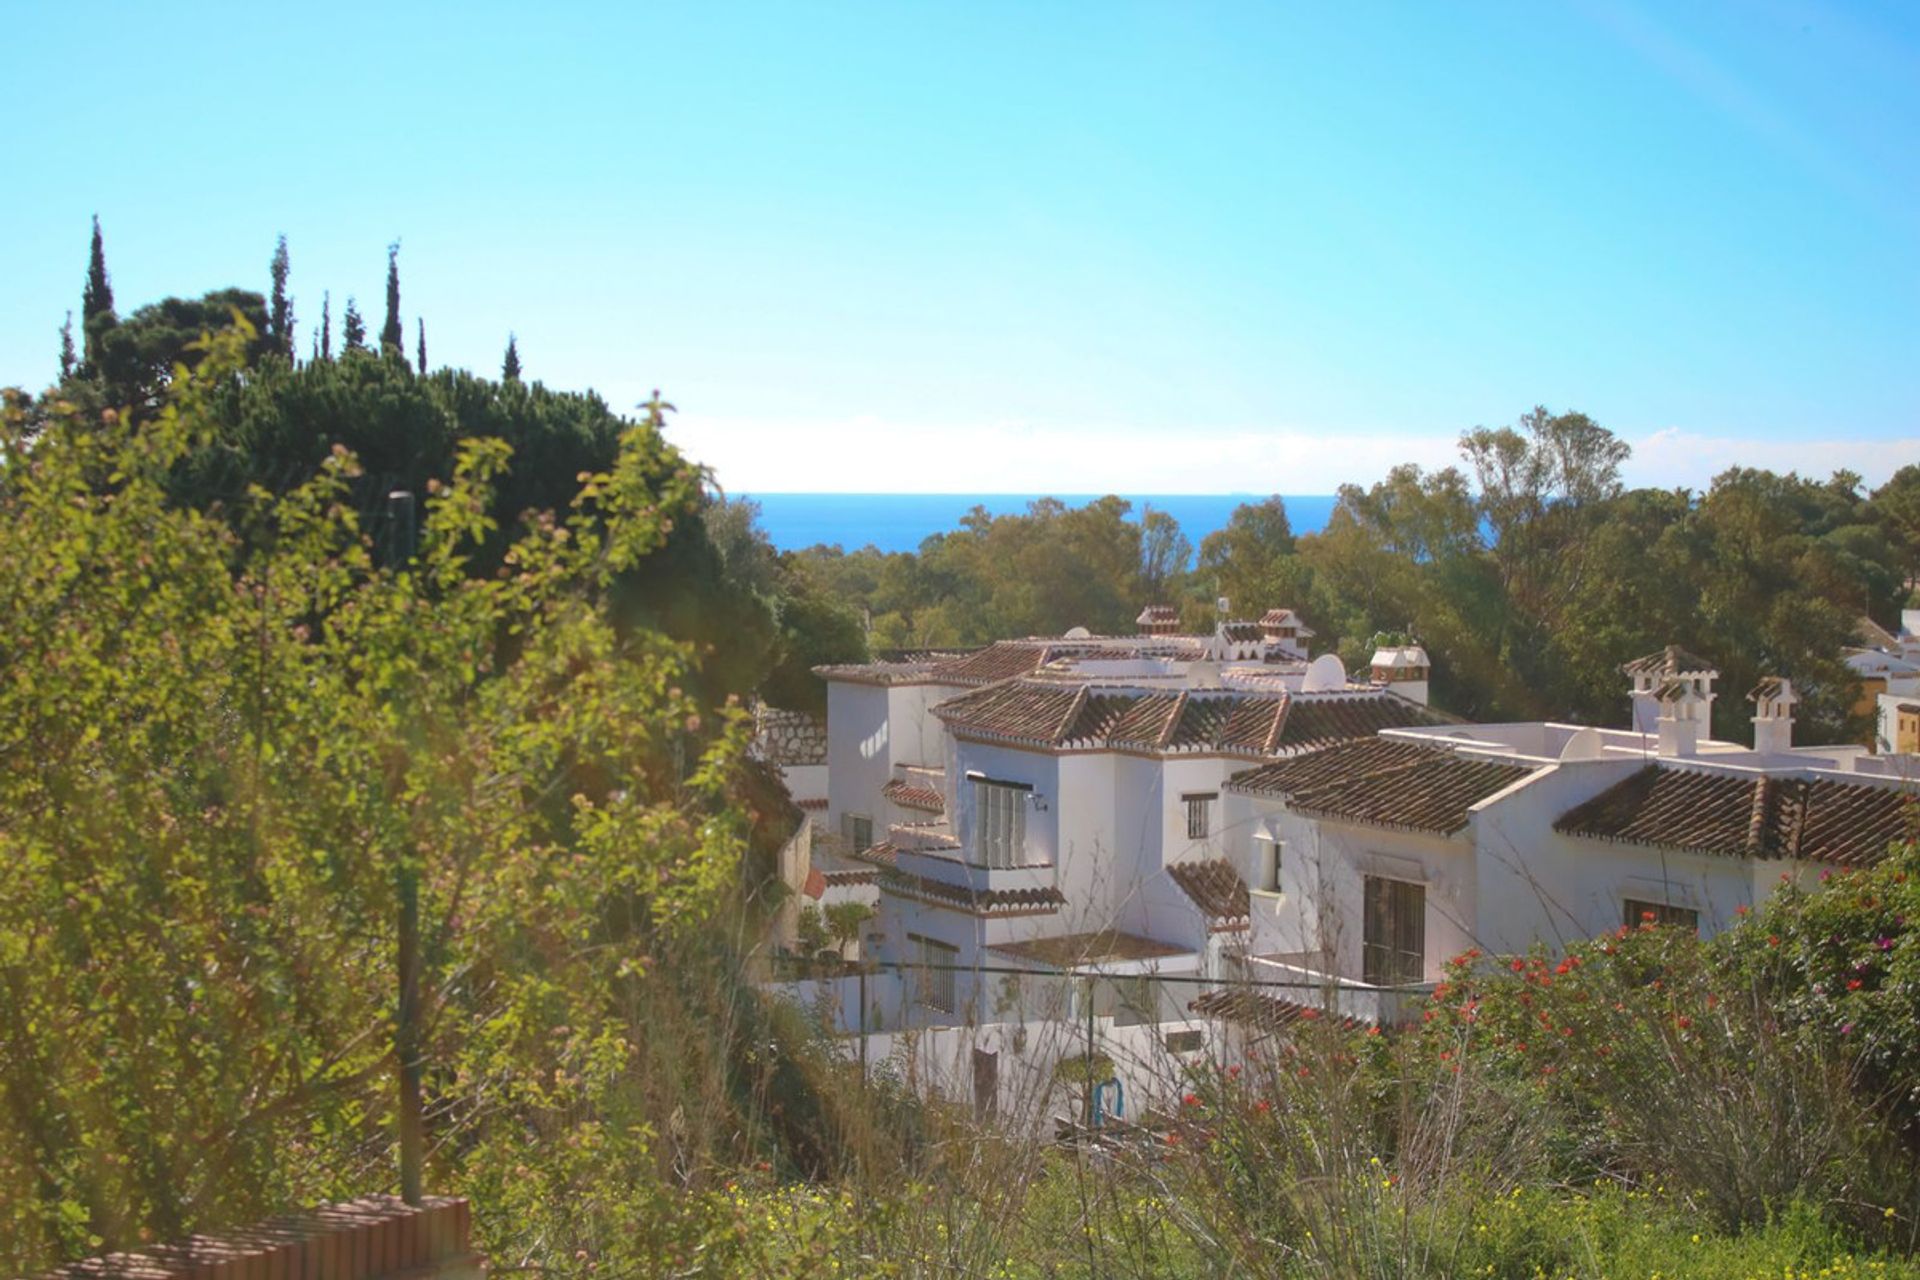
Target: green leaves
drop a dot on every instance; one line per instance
(220, 735)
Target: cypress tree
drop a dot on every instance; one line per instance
(510, 367)
(326, 325)
(280, 313)
(96, 301)
(352, 328)
(392, 337)
(66, 348)
(422, 349)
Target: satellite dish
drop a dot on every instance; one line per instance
(1324, 673)
(1078, 633)
(1583, 745)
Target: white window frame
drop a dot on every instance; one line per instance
(849, 824)
(1269, 856)
(999, 823)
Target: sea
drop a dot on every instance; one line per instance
(901, 521)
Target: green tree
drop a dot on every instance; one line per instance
(96, 300)
(393, 338)
(137, 358)
(237, 732)
(843, 920)
(1249, 561)
(325, 349)
(420, 351)
(353, 328)
(510, 366)
(68, 361)
(280, 307)
(1164, 555)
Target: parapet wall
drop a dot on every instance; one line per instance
(373, 1238)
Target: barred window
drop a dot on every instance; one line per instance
(1662, 913)
(1394, 945)
(1199, 815)
(933, 982)
(858, 829)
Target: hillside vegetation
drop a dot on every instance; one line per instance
(238, 712)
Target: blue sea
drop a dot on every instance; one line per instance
(900, 521)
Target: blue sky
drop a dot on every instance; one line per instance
(1158, 248)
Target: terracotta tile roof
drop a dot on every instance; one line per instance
(850, 876)
(908, 796)
(1069, 950)
(1253, 722)
(1824, 820)
(818, 805)
(1243, 632)
(815, 884)
(1385, 782)
(1670, 661)
(1317, 721)
(1269, 1013)
(980, 902)
(883, 854)
(998, 661)
(1873, 635)
(1217, 890)
(1278, 618)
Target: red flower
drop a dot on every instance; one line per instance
(1192, 1100)
(1263, 1106)
(1773, 939)
(1853, 984)
(1233, 1072)
(1519, 966)
(1683, 1022)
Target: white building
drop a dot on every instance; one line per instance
(1373, 862)
(1051, 805)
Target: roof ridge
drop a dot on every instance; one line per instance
(1757, 816)
(1078, 701)
(1280, 721)
(1174, 713)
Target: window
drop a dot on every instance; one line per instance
(1267, 854)
(1186, 1041)
(933, 981)
(999, 823)
(1394, 948)
(858, 829)
(1199, 815)
(1135, 1000)
(1638, 913)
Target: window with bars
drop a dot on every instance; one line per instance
(999, 823)
(1638, 913)
(858, 829)
(1394, 942)
(933, 984)
(1199, 815)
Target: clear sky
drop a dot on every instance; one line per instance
(977, 247)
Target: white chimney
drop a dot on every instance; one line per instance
(1655, 672)
(1404, 669)
(1773, 700)
(1680, 713)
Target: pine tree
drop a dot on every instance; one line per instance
(352, 328)
(67, 360)
(510, 367)
(422, 349)
(280, 312)
(96, 301)
(326, 325)
(393, 338)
